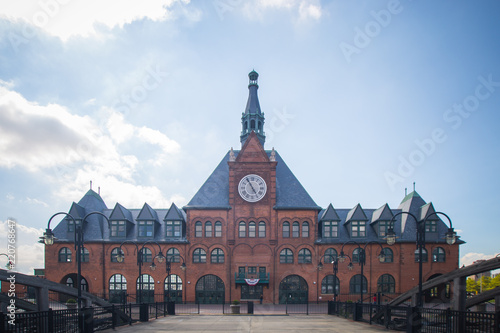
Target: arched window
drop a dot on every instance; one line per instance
(386, 284)
(198, 229)
(114, 254)
(85, 255)
(217, 256)
(70, 282)
(218, 229)
(286, 229)
(286, 256)
(355, 255)
(305, 229)
(388, 255)
(147, 255)
(117, 288)
(199, 256)
(173, 255)
(65, 255)
(355, 284)
(251, 229)
(305, 256)
(425, 257)
(242, 229)
(260, 126)
(208, 229)
(295, 229)
(330, 285)
(173, 287)
(330, 255)
(438, 255)
(262, 229)
(252, 124)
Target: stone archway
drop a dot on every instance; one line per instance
(293, 290)
(210, 290)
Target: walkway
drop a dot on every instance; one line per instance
(249, 323)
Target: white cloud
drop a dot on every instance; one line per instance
(470, 257)
(65, 18)
(29, 254)
(303, 10)
(69, 150)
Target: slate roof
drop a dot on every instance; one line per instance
(214, 193)
(96, 228)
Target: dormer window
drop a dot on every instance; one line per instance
(431, 226)
(330, 229)
(358, 229)
(383, 226)
(71, 225)
(146, 228)
(118, 229)
(174, 229)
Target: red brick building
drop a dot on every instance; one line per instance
(251, 230)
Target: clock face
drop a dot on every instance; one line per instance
(252, 188)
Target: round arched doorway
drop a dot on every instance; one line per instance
(210, 290)
(70, 280)
(293, 290)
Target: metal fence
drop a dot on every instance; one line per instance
(413, 319)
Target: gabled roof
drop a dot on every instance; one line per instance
(214, 193)
(384, 213)
(174, 214)
(77, 211)
(427, 210)
(147, 214)
(121, 213)
(330, 214)
(356, 214)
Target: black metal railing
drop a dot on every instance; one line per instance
(413, 319)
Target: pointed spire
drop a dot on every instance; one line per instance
(253, 118)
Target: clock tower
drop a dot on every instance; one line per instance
(262, 213)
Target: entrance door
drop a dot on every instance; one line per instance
(210, 290)
(293, 290)
(251, 292)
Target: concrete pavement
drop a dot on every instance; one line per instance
(249, 323)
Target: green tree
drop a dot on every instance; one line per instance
(472, 286)
(484, 283)
(495, 282)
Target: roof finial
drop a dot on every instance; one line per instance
(99, 190)
(413, 186)
(272, 158)
(406, 191)
(232, 158)
(90, 184)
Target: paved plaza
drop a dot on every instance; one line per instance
(249, 323)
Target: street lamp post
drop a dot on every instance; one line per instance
(168, 262)
(335, 263)
(450, 237)
(49, 238)
(120, 257)
(361, 259)
(9, 264)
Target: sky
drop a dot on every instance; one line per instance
(144, 98)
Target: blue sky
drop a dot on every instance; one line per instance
(362, 98)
